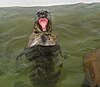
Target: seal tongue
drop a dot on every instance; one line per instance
(43, 23)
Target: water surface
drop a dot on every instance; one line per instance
(77, 28)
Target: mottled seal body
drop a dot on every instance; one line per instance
(43, 50)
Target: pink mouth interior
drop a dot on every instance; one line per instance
(43, 23)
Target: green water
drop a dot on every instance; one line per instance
(77, 28)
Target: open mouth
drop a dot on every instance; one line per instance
(43, 23)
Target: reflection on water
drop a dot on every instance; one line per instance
(45, 64)
(45, 74)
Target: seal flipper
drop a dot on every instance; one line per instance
(34, 51)
(24, 52)
(20, 55)
(29, 52)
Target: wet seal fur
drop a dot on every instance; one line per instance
(44, 55)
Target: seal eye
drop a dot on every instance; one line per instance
(37, 12)
(46, 11)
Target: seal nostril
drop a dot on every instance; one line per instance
(43, 15)
(40, 15)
